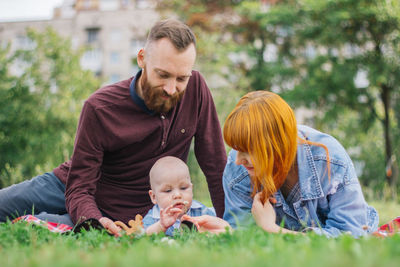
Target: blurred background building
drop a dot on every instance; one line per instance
(112, 31)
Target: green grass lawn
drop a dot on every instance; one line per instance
(22, 245)
(387, 210)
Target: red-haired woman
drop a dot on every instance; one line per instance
(290, 177)
(288, 174)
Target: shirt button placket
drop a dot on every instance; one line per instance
(164, 125)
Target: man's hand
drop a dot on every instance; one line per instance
(110, 226)
(207, 223)
(264, 214)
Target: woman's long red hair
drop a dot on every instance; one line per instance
(263, 125)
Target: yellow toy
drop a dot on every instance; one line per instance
(136, 226)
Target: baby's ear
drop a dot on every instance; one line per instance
(152, 197)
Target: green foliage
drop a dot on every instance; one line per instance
(361, 145)
(347, 39)
(325, 46)
(314, 54)
(309, 51)
(39, 105)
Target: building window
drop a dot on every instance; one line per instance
(86, 4)
(24, 42)
(115, 58)
(92, 60)
(124, 3)
(109, 5)
(142, 4)
(92, 35)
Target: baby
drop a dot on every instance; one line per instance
(172, 195)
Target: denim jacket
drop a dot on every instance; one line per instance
(326, 205)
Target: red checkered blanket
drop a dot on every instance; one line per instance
(53, 227)
(388, 229)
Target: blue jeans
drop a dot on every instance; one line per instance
(42, 196)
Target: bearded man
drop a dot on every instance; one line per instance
(124, 128)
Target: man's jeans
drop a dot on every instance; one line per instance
(42, 196)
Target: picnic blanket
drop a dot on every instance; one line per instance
(389, 229)
(51, 226)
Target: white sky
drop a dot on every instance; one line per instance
(13, 10)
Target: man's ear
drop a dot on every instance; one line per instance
(152, 197)
(140, 58)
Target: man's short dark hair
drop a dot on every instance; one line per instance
(177, 32)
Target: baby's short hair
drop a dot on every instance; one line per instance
(166, 163)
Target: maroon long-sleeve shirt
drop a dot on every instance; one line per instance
(118, 140)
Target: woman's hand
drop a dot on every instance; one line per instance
(110, 226)
(264, 214)
(207, 223)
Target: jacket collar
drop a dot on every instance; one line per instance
(310, 185)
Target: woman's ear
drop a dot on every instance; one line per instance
(152, 197)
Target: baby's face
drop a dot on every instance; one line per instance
(172, 189)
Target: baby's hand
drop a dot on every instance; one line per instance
(169, 216)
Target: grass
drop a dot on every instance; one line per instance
(24, 245)
(387, 210)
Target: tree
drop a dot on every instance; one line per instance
(210, 20)
(335, 57)
(40, 102)
(354, 64)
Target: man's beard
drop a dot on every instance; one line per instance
(154, 96)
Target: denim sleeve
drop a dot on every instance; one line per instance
(148, 220)
(348, 211)
(209, 211)
(237, 188)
